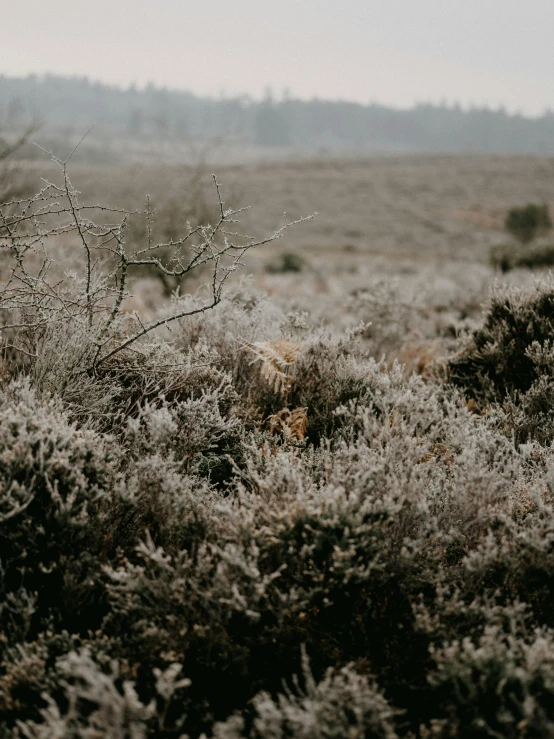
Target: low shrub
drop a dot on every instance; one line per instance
(528, 221)
(286, 262)
(99, 699)
(514, 693)
(509, 362)
(500, 358)
(53, 479)
(343, 703)
(509, 256)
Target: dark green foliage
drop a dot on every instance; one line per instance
(159, 601)
(527, 222)
(495, 362)
(286, 262)
(509, 360)
(514, 694)
(509, 256)
(325, 378)
(342, 704)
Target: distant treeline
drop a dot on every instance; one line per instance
(72, 104)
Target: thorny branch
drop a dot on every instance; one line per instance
(34, 296)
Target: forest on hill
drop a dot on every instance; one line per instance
(67, 105)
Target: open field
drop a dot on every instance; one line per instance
(308, 496)
(421, 228)
(426, 208)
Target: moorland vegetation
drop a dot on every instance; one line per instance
(227, 521)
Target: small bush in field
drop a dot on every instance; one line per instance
(286, 262)
(527, 222)
(509, 256)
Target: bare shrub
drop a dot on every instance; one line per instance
(14, 182)
(34, 295)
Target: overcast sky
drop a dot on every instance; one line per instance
(397, 52)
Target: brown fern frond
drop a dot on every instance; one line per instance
(291, 424)
(276, 357)
(298, 423)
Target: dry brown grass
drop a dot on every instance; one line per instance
(416, 207)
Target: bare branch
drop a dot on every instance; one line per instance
(33, 296)
(8, 150)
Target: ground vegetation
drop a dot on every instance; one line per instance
(224, 516)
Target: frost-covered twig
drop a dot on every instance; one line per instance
(34, 296)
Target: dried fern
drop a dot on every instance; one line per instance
(291, 424)
(276, 358)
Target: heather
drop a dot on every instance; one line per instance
(254, 515)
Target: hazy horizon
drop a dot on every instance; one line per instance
(397, 54)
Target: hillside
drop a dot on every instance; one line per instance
(69, 106)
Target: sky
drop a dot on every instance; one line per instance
(395, 52)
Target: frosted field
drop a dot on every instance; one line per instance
(321, 507)
(397, 241)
